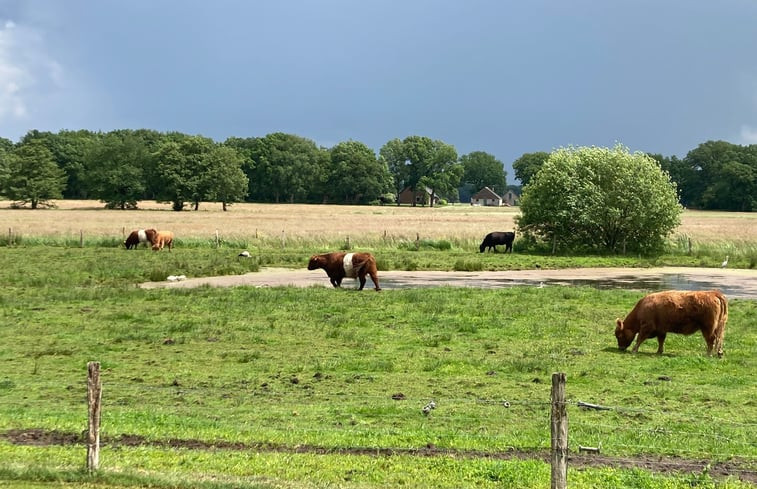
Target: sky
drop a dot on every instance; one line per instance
(504, 77)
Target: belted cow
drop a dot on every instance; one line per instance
(339, 265)
(682, 312)
(139, 236)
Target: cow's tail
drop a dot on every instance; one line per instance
(722, 319)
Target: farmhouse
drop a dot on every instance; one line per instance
(486, 196)
(510, 198)
(417, 197)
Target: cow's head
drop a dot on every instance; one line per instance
(623, 334)
(316, 261)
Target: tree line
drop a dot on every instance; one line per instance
(122, 167)
(716, 175)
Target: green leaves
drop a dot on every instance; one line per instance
(600, 198)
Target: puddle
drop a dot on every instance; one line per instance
(734, 287)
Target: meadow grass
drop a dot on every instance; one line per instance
(311, 385)
(280, 368)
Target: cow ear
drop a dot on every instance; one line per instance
(619, 323)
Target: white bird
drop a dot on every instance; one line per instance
(540, 286)
(725, 263)
(245, 254)
(172, 278)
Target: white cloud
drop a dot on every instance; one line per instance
(748, 135)
(27, 75)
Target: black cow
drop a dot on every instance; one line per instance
(498, 238)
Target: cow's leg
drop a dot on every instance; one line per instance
(374, 277)
(639, 340)
(711, 340)
(660, 342)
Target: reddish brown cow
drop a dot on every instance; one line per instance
(674, 311)
(353, 265)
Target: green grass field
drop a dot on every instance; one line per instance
(317, 387)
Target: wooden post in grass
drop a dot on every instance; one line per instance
(217, 240)
(81, 238)
(94, 395)
(559, 422)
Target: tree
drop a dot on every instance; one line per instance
(114, 172)
(33, 177)
(484, 170)
(6, 145)
(69, 149)
(600, 198)
(722, 176)
(226, 182)
(393, 155)
(528, 165)
(354, 174)
(181, 168)
(419, 161)
(286, 167)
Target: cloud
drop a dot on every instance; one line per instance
(748, 135)
(27, 74)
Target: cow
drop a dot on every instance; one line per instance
(673, 311)
(139, 236)
(491, 241)
(353, 265)
(162, 238)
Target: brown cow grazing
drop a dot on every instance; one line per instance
(139, 236)
(353, 265)
(674, 311)
(162, 238)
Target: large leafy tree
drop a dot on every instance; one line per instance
(181, 166)
(286, 167)
(114, 170)
(69, 150)
(529, 165)
(393, 155)
(484, 170)
(354, 174)
(225, 180)
(429, 163)
(722, 176)
(600, 198)
(32, 176)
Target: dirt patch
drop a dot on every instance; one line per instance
(733, 282)
(658, 464)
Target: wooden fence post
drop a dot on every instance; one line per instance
(81, 238)
(94, 395)
(217, 239)
(559, 422)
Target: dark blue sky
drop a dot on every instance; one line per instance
(483, 75)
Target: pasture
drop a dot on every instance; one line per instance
(316, 387)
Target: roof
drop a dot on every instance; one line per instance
(486, 193)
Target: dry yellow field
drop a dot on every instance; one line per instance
(300, 221)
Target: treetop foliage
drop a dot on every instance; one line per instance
(600, 198)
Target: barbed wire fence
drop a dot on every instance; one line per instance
(470, 427)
